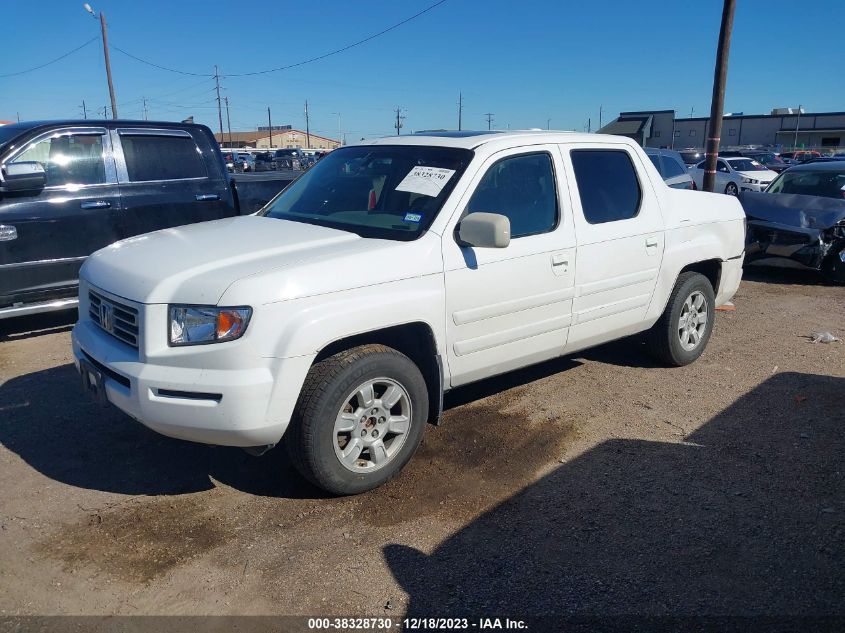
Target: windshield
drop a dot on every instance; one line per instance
(383, 191)
(7, 135)
(746, 164)
(827, 183)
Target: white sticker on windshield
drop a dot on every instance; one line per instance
(429, 181)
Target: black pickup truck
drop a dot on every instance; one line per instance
(68, 188)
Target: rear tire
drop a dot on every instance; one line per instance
(359, 419)
(682, 332)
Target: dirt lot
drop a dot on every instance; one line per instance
(594, 484)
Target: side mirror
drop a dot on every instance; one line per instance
(485, 230)
(24, 176)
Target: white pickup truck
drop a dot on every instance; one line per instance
(391, 272)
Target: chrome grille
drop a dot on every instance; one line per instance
(118, 319)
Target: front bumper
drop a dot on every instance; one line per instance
(232, 407)
(754, 187)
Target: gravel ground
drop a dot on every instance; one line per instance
(596, 484)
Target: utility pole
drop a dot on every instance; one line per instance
(270, 126)
(84, 110)
(460, 109)
(691, 111)
(489, 116)
(146, 117)
(105, 112)
(228, 122)
(19, 117)
(219, 104)
(307, 127)
(717, 104)
(103, 31)
(339, 128)
(600, 109)
(589, 125)
(548, 124)
(399, 118)
(797, 121)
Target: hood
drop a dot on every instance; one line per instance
(197, 263)
(807, 212)
(763, 176)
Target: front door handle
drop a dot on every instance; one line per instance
(651, 242)
(95, 204)
(559, 259)
(202, 197)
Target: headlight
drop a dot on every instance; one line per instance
(197, 325)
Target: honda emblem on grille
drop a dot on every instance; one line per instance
(106, 316)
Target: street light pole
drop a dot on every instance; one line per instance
(797, 121)
(103, 31)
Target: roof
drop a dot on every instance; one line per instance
(30, 125)
(472, 140)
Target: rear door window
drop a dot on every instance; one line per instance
(607, 183)
(159, 157)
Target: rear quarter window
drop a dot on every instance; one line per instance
(607, 184)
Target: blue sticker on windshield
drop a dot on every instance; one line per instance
(413, 217)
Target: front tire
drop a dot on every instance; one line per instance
(684, 329)
(359, 419)
(731, 189)
(833, 266)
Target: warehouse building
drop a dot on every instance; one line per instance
(282, 136)
(784, 128)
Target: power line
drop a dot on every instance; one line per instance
(294, 65)
(61, 57)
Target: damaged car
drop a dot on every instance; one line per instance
(799, 221)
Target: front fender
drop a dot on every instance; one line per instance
(303, 327)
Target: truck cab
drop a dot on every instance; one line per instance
(391, 272)
(69, 188)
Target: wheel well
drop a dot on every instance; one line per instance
(414, 340)
(710, 268)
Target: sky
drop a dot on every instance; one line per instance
(532, 63)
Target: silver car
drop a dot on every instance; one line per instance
(671, 167)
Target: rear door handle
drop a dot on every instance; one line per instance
(95, 204)
(651, 242)
(559, 259)
(202, 197)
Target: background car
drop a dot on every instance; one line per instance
(291, 158)
(691, 156)
(263, 161)
(735, 174)
(769, 159)
(796, 158)
(800, 220)
(671, 167)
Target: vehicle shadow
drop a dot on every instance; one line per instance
(19, 328)
(775, 275)
(56, 428)
(745, 519)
